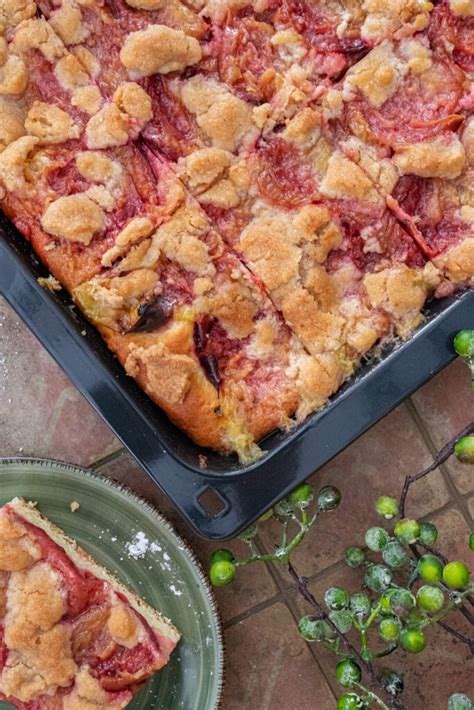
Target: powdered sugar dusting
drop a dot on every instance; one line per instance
(138, 546)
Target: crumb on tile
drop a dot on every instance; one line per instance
(74, 506)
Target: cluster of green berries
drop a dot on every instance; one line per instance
(223, 565)
(400, 613)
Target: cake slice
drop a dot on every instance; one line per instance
(72, 636)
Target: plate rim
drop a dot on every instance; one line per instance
(73, 469)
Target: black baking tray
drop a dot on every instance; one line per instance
(172, 460)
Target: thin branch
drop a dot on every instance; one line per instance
(321, 614)
(467, 614)
(433, 551)
(465, 639)
(440, 458)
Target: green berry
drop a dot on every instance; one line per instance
(430, 568)
(314, 629)
(430, 598)
(348, 672)
(402, 602)
(336, 598)
(342, 620)
(428, 533)
(389, 629)
(377, 578)
(302, 496)
(360, 605)
(393, 683)
(329, 498)
(456, 575)
(464, 343)
(284, 508)
(471, 541)
(350, 701)
(222, 573)
(248, 534)
(459, 701)
(221, 554)
(407, 531)
(412, 640)
(354, 556)
(464, 449)
(387, 507)
(394, 555)
(376, 539)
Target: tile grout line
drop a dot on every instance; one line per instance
(261, 606)
(287, 592)
(466, 497)
(107, 459)
(452, 490)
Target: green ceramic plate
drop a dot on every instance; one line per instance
(138, 545)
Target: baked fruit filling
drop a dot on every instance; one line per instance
(424, 86)
(71, 636)
(330, 33)
(180, 302)
(244, 196)
(452, 29)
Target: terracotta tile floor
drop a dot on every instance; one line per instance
(268, 665)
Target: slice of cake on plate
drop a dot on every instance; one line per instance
(72, 636)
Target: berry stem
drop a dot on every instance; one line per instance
(365, 653)
(442, 456)
(432, 551)
(369, 695)
(282, 554)
(387, 651)
(444, 612)
(372, 616)
(284, 534)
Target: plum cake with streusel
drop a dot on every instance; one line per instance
(244, 196)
